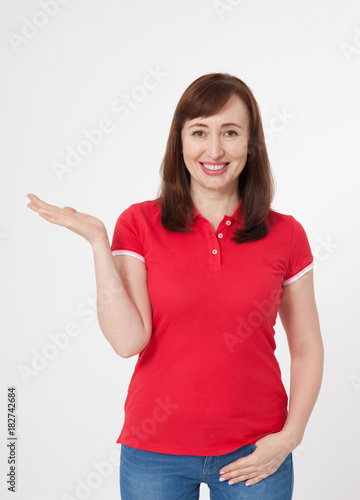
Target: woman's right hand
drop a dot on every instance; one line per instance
(87, 226)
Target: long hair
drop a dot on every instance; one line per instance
(205, 97)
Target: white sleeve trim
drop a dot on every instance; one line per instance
(299, 274)
(128, 252)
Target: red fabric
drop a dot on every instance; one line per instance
(208, 381)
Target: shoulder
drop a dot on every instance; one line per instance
(280, 222)
(140, 214)
(285, 226)
(283, 221)
(134, 224)
(280, 218)
(141, 208)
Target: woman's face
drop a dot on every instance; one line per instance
(215, 148)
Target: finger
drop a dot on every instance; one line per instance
(45, 209)
(51, 218)
(34, 205)
(241, 463)
(53, 212)
(36, 201)
(256, 479)
(249, 479)
(243, 474)
(59, 216)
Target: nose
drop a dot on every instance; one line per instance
(214, 147)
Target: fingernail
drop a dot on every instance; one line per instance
(247, 484)
(28, 197)
(222, 472)
(222, 479)
(231, 482)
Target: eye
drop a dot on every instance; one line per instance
(233, 131)
(197, 132)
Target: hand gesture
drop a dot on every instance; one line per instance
(271, 451)
(89, 227)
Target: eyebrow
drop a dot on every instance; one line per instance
(223, 125)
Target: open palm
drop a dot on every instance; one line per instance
(87, 226)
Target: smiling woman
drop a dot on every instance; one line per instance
(217, 122)
(198, 276)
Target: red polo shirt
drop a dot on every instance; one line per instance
(208, 381)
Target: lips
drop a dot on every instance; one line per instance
(215, 169)
(214, 166)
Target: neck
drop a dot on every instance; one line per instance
(214, 203)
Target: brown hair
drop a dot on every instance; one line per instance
(204, 97)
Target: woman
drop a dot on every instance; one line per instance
(193, 282)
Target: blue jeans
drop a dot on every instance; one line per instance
(162, 476)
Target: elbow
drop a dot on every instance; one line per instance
(125, 347)
(129, 353)
(126, 355)
(123, 354)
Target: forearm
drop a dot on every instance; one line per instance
(305, 382)
(118, 317)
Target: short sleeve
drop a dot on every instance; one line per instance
(300, 259)
(126, 239)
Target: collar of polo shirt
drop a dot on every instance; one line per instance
(235, 216)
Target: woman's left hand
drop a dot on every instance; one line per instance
(271, 451)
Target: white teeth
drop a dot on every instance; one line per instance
(214, 167)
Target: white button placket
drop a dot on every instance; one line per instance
(215, 256)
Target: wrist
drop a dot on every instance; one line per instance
(100, 243)
(292, 438)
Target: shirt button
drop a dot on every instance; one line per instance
(214, 251)
(220, 235)
(228, 222)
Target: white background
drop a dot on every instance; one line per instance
(64, 76)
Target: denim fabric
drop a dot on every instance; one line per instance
(162, 476)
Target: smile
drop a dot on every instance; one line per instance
(214, 167)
